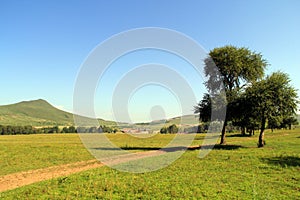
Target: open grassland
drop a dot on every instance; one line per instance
(27, 152)
(239, 170)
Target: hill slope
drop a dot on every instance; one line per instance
(41, 113)
(35, 113)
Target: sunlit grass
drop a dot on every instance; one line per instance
(26, 152)
(244, 172)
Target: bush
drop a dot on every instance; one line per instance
(171, 129)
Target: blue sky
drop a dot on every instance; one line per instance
(44, 43)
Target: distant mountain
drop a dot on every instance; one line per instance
(36, 113)
(41, 113)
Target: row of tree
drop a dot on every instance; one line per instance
(240, 93)
(201, 128)
(15, 130)
(100, 129)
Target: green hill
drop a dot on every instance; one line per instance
(39, 113)
(35, 113)
(187, 120)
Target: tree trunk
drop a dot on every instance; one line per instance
(243, 130)
(223, 141)
(261, 141)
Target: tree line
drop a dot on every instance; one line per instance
(16, 130)
(201, 128)
(100, 129)
(241, 94)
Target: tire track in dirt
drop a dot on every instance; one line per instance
(15, 180)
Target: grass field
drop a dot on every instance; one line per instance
(26, 152)
(239, 170)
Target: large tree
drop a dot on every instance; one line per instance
(272, 100)
(235, 68)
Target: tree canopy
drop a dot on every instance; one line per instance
(235, 69)
(271, 100)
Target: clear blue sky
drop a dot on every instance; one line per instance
(43, 43)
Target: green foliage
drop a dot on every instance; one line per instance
(203, 109)
(171, 129)
(163, 130)
(13, 130)
(70, 129)
(272, 100)
(16, 130)
(100, 129)
(234, 67)
(229, 69)
(201, 128)
(211, 108)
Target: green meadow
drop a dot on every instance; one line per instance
(238, 170)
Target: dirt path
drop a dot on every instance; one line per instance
(12, 181)
(15, 180)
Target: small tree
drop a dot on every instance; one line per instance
(65, 130)
(272, 100)
(72, 129)
(163, 130)
(173, 129)
(288, 122)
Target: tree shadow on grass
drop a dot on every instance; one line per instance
(239, 135)
(168, 149)
(179, 148)
(283, 161)
(218, 147)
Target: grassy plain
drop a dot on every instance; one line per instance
(27, 152)
(239, 170)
